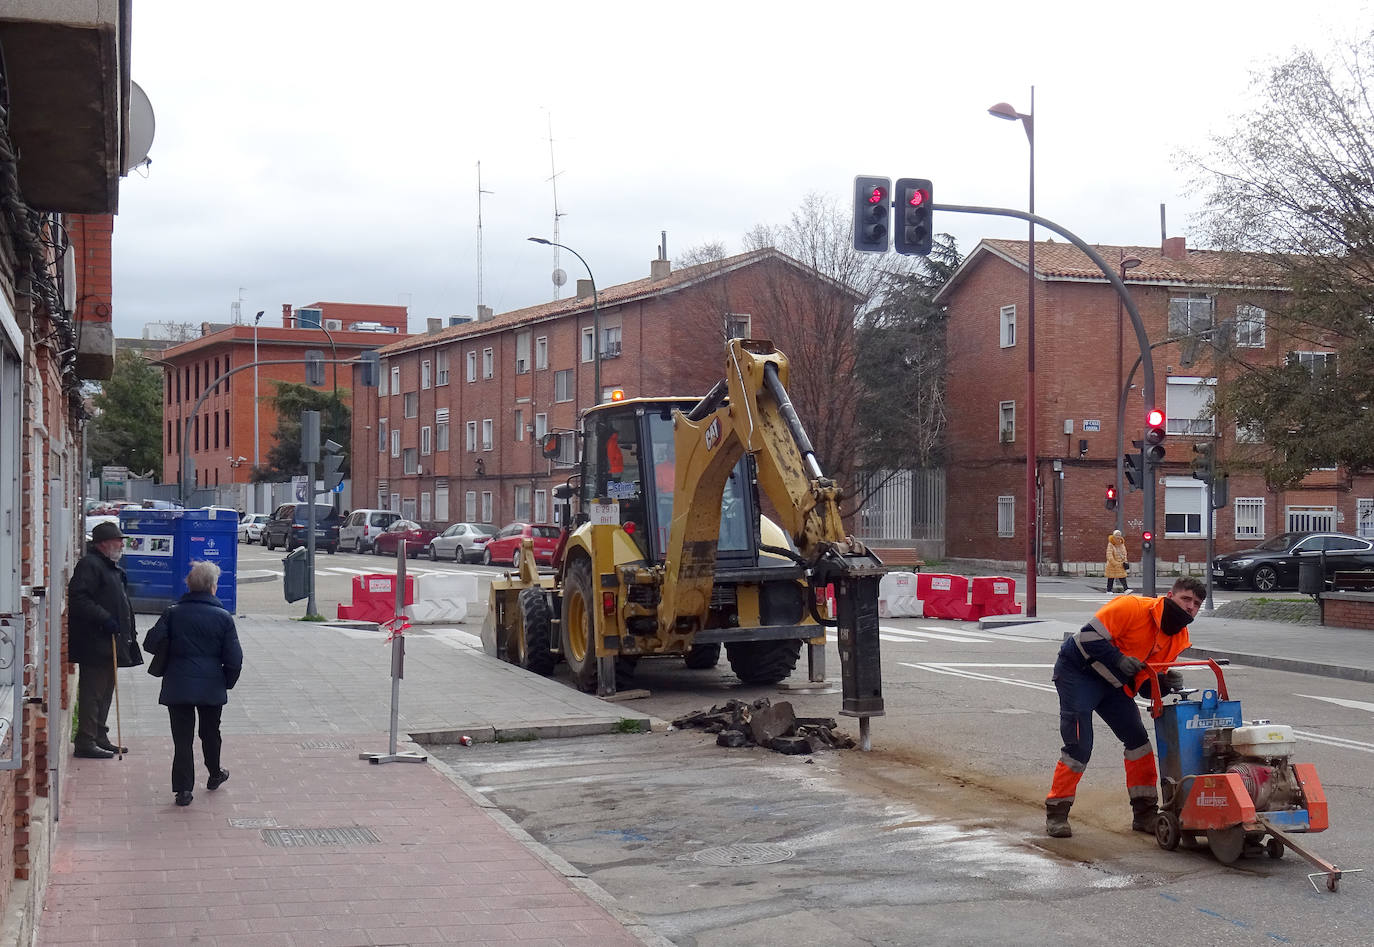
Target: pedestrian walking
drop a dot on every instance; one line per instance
(204, 660)
(100, 638)
(1100, 670)
(1117, 562)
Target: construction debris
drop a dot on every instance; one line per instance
(762, 723)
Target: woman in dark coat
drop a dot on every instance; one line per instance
(203, 663)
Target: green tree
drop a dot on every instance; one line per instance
(127, 430)
(284, 456)
(1291, 185)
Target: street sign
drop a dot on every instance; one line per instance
(1092, 425)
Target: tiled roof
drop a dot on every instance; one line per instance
(608, 296)
(1064, 261)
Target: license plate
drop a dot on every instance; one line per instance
(1218, 573)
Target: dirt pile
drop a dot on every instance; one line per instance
(763, 723)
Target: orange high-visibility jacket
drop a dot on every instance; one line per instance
(1127, 625)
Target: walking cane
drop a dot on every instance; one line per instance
(119, 726)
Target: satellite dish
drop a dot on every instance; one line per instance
(559, 277)
(141, 127)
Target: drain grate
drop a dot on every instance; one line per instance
(266, 823)
(326, 745)
(743, 853)
(301, 838)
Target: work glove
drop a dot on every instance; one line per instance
(1130, 666)
(1171, 681)
(111, 626)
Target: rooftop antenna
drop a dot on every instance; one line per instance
(559, 278)
(236, 309)
(480, 192)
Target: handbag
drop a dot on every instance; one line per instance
(158, 643)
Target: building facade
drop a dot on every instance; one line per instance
(1206, 315)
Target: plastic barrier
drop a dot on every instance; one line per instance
(993, 595)
(374, 597)
(944, 596)
(898, 597)
(160, 545)
(442, 598)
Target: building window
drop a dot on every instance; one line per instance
(426, 377)
(1185, 501)
(522, 502)
(1188, 405)
(426, 507)
(408, 508)
(382, 373)
(395, 443)
(411, 461)
(395, 379)
(486, 433)
(412, 404)
(1364, 518)
(522, 352)
(1310, 519)
(472, 366)
(1006, 516)
(610, 342)
(441, 499)
(441, 365)
(1249, 517)
(519, 424)
(1248, 434)
(1006, 421)
(541, 506)
(486, 506)
(1314, 362)
(488, 363)
(563, 385)
(471, 440)
(541, 425)
(395, 502)
(738, 325)
(470, 506)
(426, 440)
(588, 344)
(1008, 326)
(1250, 327)
(541, 353)
(381, 435)
(1190, 314)
(382, 495)
(441, 430)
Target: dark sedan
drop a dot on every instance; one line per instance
(1274, 563)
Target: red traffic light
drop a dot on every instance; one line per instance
(1147, 536)
(1155, 418)
(877, 195)
(1111, 493)
(919, 197)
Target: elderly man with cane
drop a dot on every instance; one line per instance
(100, 639)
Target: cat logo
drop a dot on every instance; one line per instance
(712, 435)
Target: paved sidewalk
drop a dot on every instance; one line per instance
(306, 843)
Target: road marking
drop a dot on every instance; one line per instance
(1340, 743)
(455, 637)
(1342, 702)
(953, 671)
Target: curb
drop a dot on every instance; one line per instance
(1340, 671)
(534, 730)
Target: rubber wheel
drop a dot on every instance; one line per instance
(703, 657)
(459, 555)
(433, 553)
(486, 557)
(267, 541)
(536, 652)
(331, 549)
(1167, 832)
(578, 648)
(376, 548)
(763, 662)
(515, 559)
(1274, 848)
(1265, 579)
(1226, 844)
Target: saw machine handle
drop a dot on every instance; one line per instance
(1157, 703)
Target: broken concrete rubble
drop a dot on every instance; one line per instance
(762, 723)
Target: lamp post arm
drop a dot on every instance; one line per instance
(596, 320)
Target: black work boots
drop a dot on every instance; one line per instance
(1145, 815)
(1057, 819)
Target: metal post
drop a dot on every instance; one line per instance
(1211, 530)
(1032, 557)
(257, 437)
(398, 670)
(310, 609)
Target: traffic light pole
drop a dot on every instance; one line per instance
(1147, 558)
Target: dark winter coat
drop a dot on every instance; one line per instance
(98, 592)
(203, 657)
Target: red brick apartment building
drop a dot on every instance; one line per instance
(1179, 293)
(453, 430)
(64, 147)
(222, 431)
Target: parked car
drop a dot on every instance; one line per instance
(362, 527)
(461, 542)
(287, 525)
(505, 545)
(1274, 563)
(416, 537)
(250, 528)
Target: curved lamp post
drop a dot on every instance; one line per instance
(1027, 120)
(257, 438)
(1127, 263)
(596, 314)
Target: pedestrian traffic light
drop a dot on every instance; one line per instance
(913, 231)
(1202, 463)
(1111, 496)
(1133, 468)
(333, 474)
(1154, 437)
(871, 215)
(314, 367)
(1147, 540)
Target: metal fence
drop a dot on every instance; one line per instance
(903, 507)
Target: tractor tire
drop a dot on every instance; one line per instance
(579, 650)
(763, 662)
(537, 619)
(703, 657)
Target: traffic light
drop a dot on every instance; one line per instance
(1134, 470)
(371, 366)
(314, 367)
(333, 474)
(1202, 463)
(1154, 437)
(1111, 496)
(913, 231)
(871, 213)
(1147, 540)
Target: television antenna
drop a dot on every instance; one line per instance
(480, 192)
(553, 180)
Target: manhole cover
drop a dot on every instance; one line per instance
(744, 853)
(326, 745)
(252, 823)
(300, 838)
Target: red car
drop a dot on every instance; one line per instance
(505, 545)
(417, 537)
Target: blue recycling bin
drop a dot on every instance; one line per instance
(160, 545)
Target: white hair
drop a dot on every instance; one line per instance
(203, 577)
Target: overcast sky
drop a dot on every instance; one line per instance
(328, 151)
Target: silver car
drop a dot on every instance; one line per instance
(461, 542)
(250, 528)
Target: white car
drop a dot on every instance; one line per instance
(461, 542)
(250, 528)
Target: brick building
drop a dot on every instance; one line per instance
(1181, 295)
(222, 445)
(453, 430)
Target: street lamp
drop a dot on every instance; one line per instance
(596, 314)
(256, 438)
(1027, 120)
(1127, 263)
